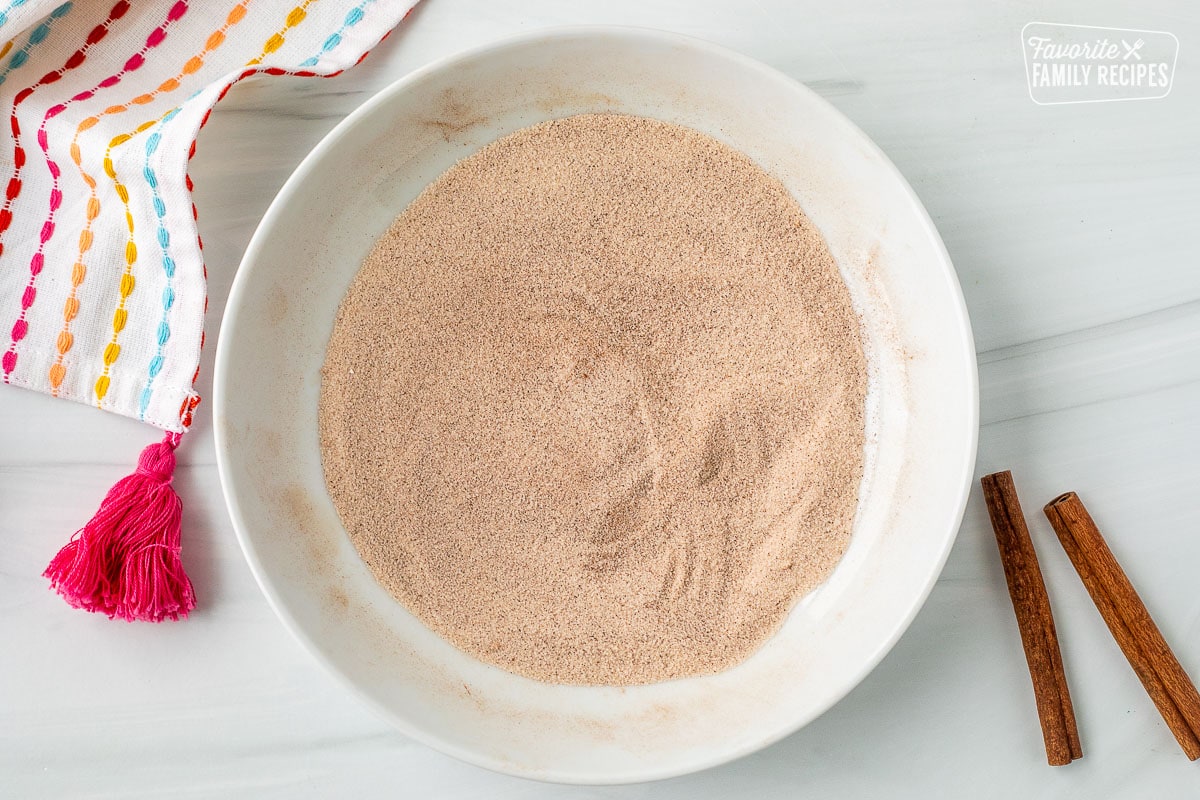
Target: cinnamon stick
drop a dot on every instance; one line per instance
(1131, 625)
(1034, 619)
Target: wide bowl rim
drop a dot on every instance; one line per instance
(221, 381)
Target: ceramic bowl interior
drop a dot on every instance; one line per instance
(922, 405)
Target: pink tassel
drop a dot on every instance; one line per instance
(125, 561)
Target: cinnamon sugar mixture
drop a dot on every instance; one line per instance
(593, 407)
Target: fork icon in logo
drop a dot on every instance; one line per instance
(1132, 49)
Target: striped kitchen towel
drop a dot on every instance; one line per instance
(102, 282)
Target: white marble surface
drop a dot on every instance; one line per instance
(1073, 231)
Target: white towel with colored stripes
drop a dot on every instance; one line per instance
(102, 283)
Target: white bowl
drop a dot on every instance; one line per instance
(922, 402)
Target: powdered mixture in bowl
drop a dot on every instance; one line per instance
(593, 407)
